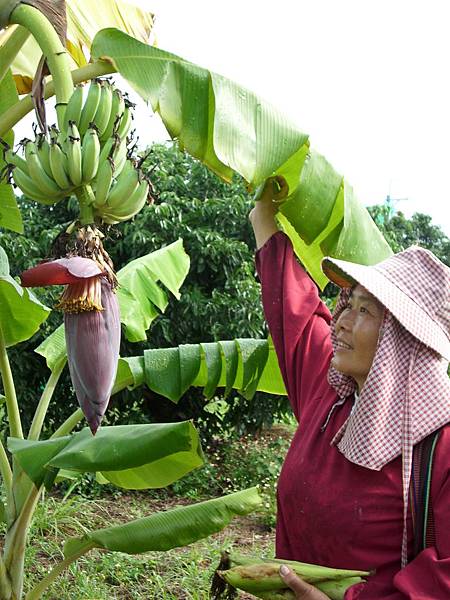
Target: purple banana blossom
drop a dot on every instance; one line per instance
(92, 326)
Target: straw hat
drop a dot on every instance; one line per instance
(413, 285)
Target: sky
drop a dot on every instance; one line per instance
(367, 80)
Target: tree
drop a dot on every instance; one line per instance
(401, 232)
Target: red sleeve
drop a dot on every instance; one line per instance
(426, 577)
(298, 321)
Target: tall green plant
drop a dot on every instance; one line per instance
(132, 457)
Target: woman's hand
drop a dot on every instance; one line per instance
(302, 590)
(275, 190)
(262, 215)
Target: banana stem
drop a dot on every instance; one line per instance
(37, 591)
(15, 425)
(5, 583)
(11, 48)
(5, 469)
(68, 424)
(14, 549)
(57, 59)
(14, 114)
(41, 410)
(86, 199)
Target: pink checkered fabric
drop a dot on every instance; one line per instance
(407, 393)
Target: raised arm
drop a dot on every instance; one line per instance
(297, 318)
(262, 216)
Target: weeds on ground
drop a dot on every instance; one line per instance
(180, 574)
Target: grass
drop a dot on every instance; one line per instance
(179, 574)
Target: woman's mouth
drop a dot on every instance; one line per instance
(340, 345)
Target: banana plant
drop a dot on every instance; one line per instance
(87, 155)
(64, 160)
(230, 130)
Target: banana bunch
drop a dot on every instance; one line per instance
(119, 197)
(88, 158)
(54, 166)
(105, 107)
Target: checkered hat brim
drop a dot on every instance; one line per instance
(413, 285)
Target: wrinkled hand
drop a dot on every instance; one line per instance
(302, 590)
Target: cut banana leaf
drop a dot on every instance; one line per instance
(84, 19)
(247, 365)
(170, 529)
(140, 296)
(130, 456)
(230, 129)
(21, 313)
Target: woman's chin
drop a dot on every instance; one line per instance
(339, 364)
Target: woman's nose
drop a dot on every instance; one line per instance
(345, 321)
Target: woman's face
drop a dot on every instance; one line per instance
(357, 335)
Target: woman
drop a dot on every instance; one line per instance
(366, 385)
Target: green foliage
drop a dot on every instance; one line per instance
(41, 226)
(234, 464)
(401, 232)
(179, 573)
(220, 299)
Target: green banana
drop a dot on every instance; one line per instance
(74, 155)
(12, 158)
(43, 150)
(103, 112)
(90, 106)
(130, 207)
(117, 108)
(28, 187)
(119, 155)
(90, 152)
(74, 106)
(135, 202)
(125, 123)
(107, 150)
(103, 182)
(123, 188)
(44, 183)
(58, 164)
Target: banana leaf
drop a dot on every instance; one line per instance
(229, 129)
(10, 217)
(84, 19)
(141, 299)
(21, 313)
(170, 529)
(129, 456)
(247, 365)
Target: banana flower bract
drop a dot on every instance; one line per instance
(92, 328)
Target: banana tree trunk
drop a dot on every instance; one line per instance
(14, 548)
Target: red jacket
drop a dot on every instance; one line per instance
(331, 511)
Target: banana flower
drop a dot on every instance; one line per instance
(92, 328)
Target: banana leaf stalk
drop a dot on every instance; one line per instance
(261, 578)
(92, 326)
